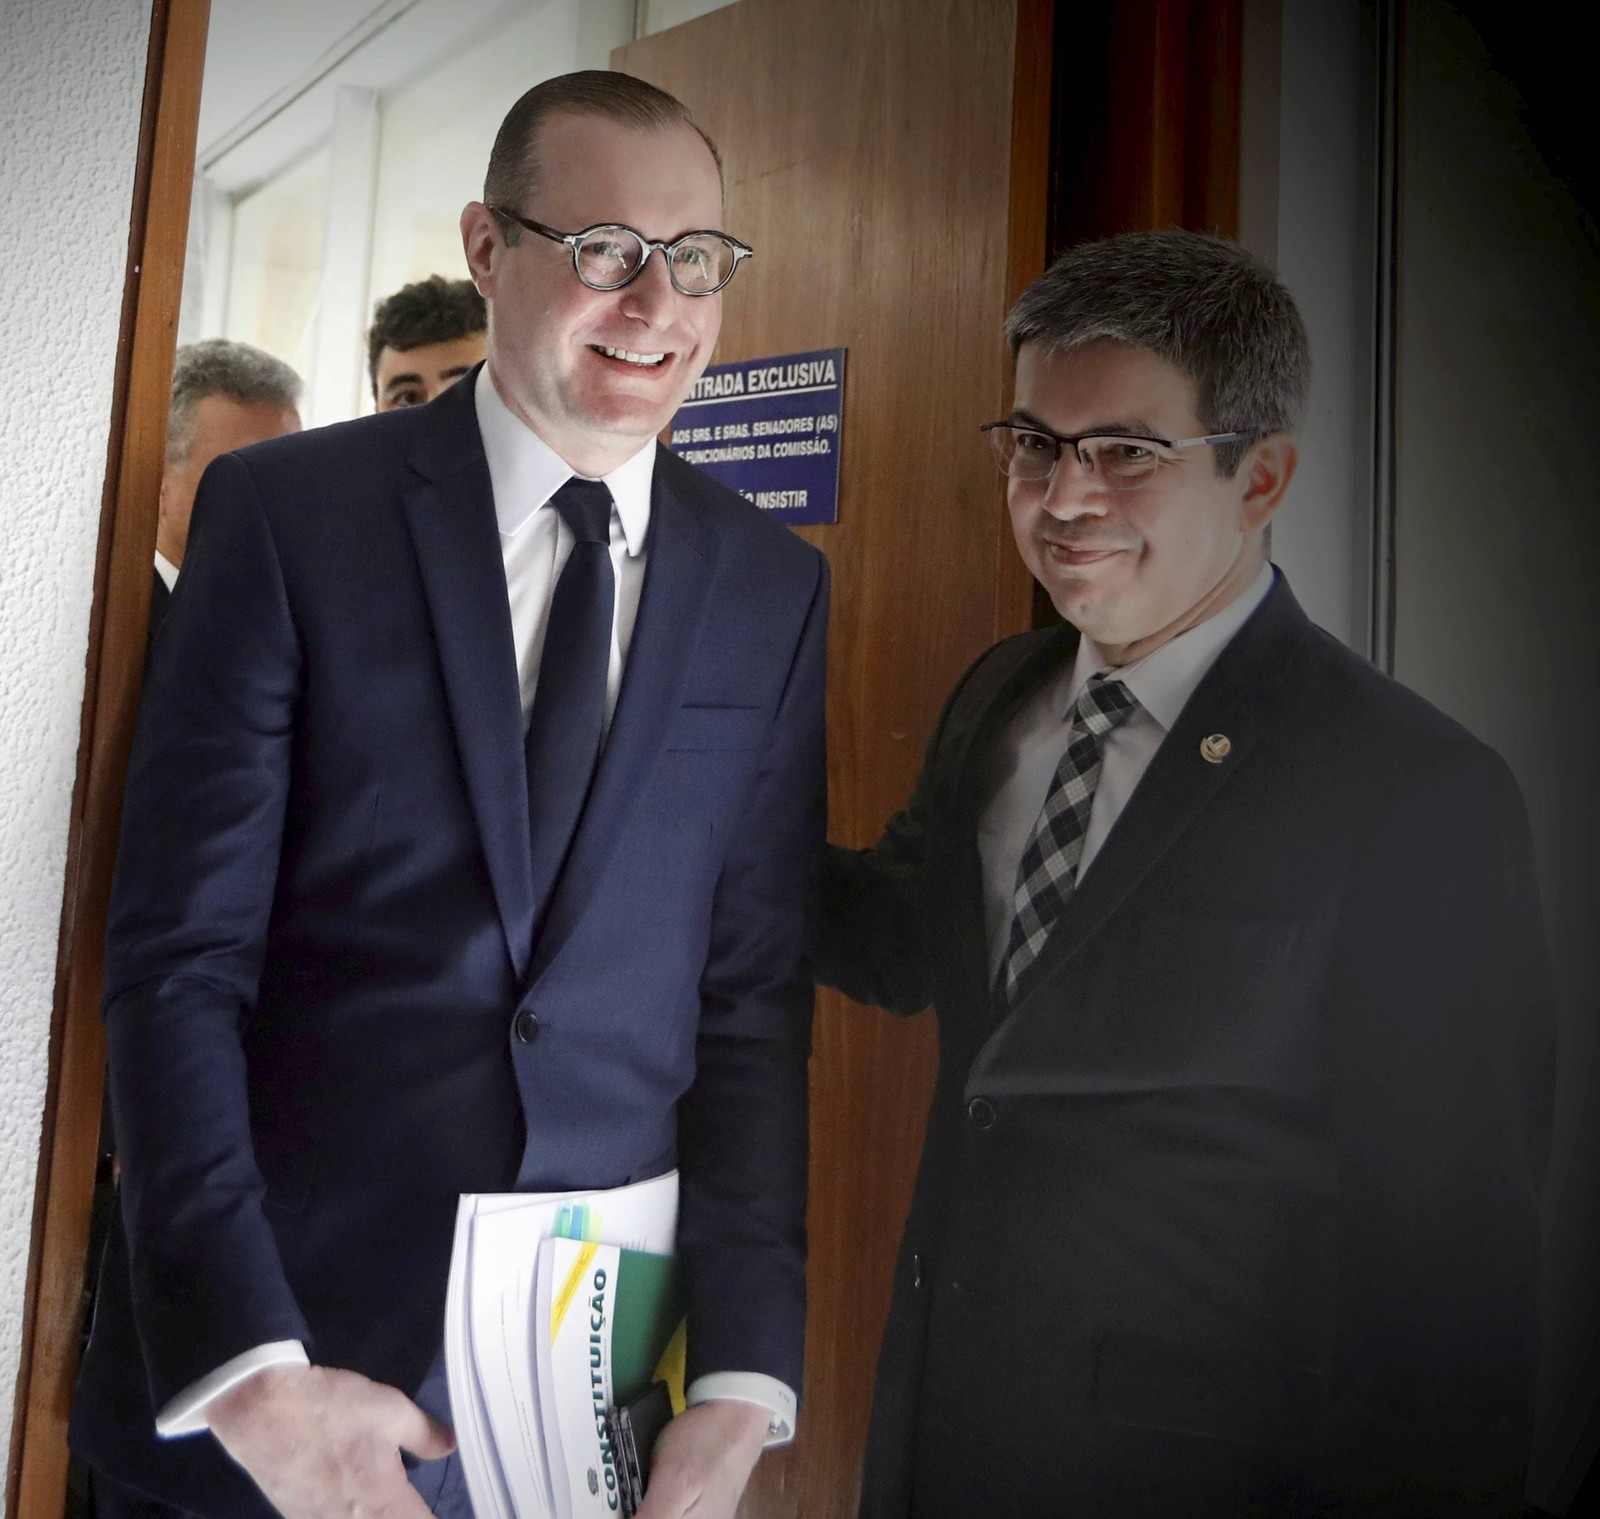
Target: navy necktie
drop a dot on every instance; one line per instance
(569, 702)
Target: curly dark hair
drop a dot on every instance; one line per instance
(434, 310)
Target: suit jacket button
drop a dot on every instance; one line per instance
(982, 1113)
(916, 1271)
(526, 1027)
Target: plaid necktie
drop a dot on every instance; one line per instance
(1048, 870)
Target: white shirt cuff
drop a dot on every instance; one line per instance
(750, 1387)
(186, 1413)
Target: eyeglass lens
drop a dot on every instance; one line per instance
(698, 264)
(1122, 463)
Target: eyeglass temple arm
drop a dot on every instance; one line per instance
(1215, 437)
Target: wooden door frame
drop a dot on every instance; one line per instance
(70, 1136)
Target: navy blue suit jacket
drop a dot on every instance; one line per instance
(323, 928)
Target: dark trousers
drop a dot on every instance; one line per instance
(111, 1500)
(440, 1483)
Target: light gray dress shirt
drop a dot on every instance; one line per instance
(1032, 743)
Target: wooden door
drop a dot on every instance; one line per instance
(889, 163)
(36, 1480)
(902, 170)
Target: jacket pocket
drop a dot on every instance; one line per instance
(698, 729)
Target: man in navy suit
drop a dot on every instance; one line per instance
(1229, 1198)
(464, 850)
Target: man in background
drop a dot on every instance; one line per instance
(424, 337)
(1228, 1202)
(225, 395)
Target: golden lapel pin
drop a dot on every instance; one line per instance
(1215, 748)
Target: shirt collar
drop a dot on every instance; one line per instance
(525, 472)
(1165, 679)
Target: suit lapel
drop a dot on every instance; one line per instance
(453, 527)
(961, 874)
(1235, 699)
(681, 558)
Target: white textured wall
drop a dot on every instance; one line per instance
(71, 80)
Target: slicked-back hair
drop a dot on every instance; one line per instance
(221, 367)
(434, 310)
(515, 168)
(1202, 303)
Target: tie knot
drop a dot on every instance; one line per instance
(585, 506)
(1103, 704)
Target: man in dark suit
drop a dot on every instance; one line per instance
(459, 855)
(1228, 1200)
(225, 396)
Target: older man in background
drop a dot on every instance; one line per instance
(225, 395)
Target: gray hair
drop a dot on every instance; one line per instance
(514, 165)
(219, 367)
(1201, 303)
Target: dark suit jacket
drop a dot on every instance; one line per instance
(1236, 1210)
(323, 928)
(159, 597)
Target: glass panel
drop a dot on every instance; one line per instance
(277, 259)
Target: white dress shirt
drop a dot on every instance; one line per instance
(1031, 746)
(167, 570)
(524, 473)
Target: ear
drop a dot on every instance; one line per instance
(1264, 475)
(164, 498)
(480, 237)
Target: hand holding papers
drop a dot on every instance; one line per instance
(531, 1373)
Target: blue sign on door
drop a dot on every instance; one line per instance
(770, 429)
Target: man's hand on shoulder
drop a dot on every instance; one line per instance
(702, 1460)
(325, 1444)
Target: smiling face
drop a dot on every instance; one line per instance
(597, 373)
(1132, 569)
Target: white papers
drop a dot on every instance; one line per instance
(491, 1333)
